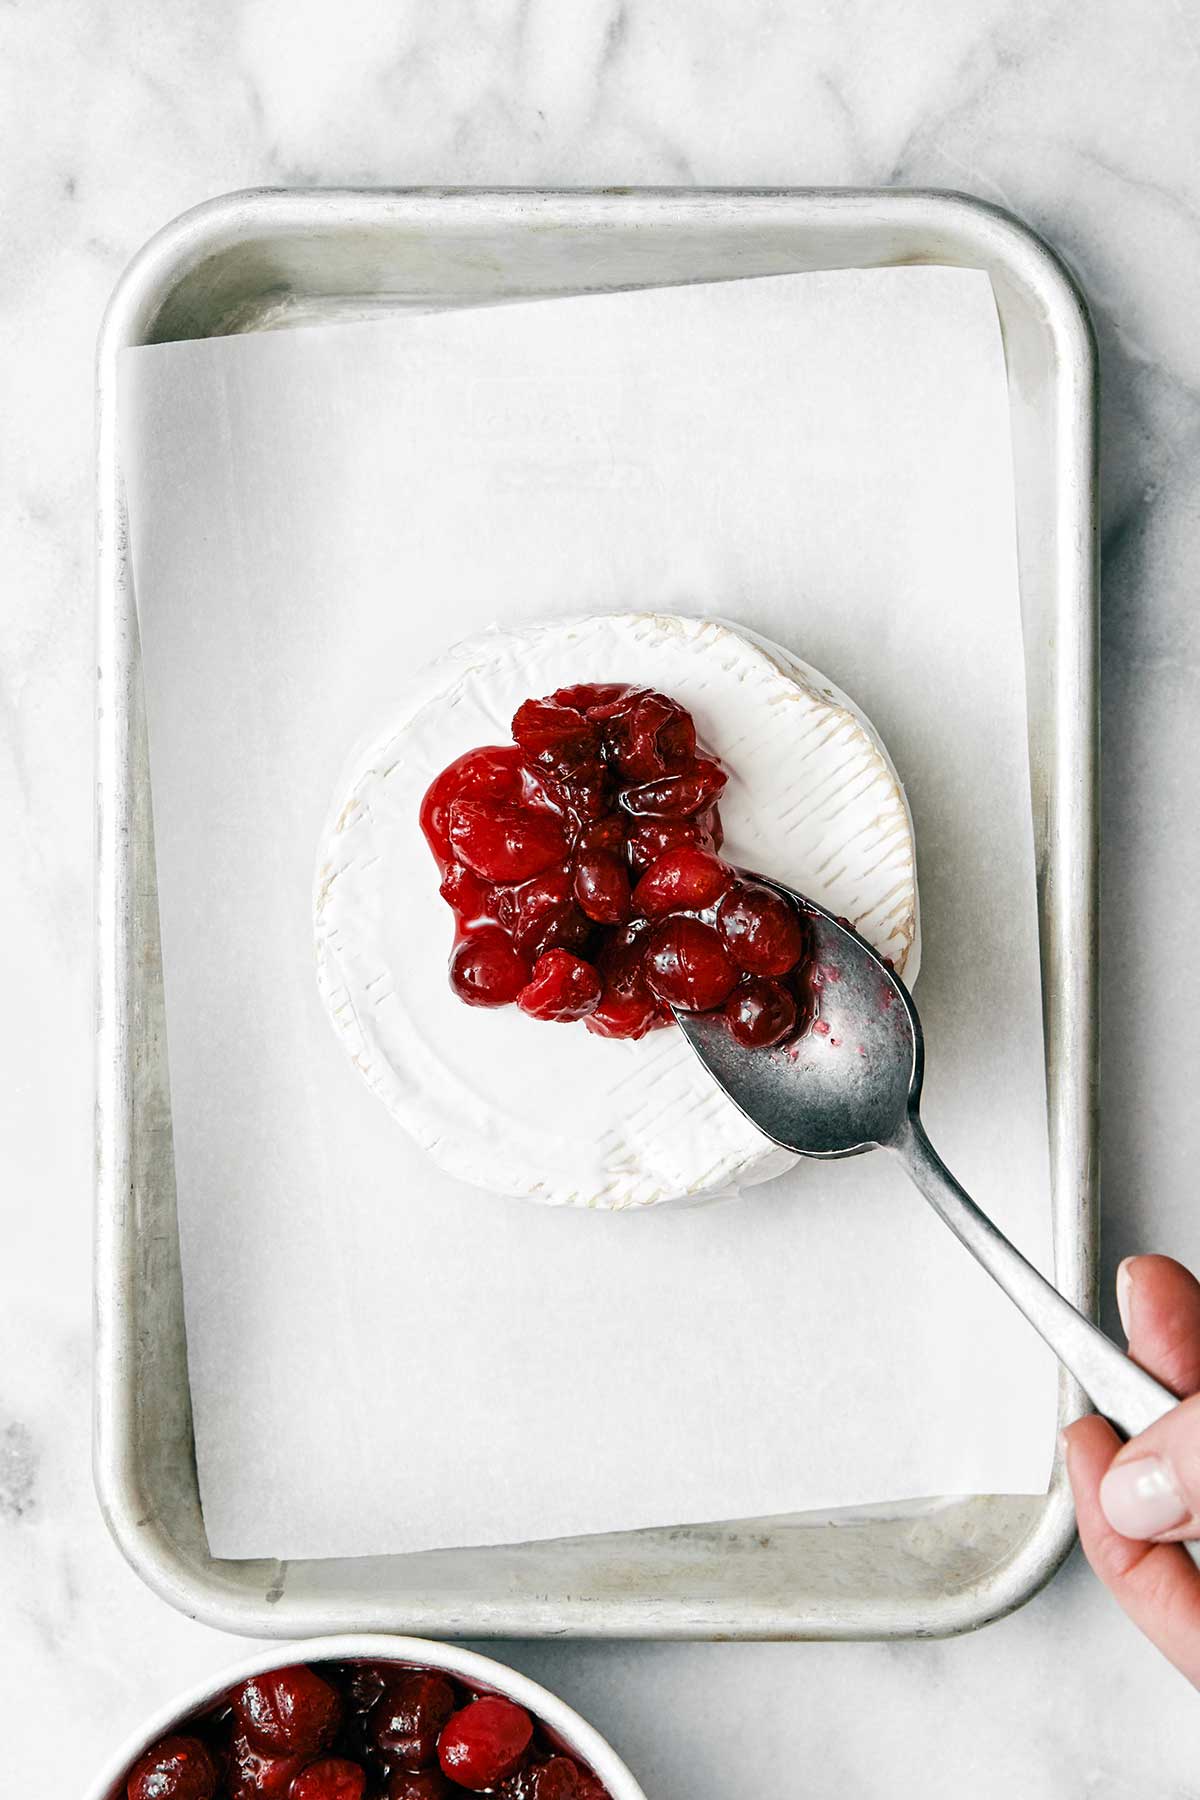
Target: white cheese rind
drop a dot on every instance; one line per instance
(552, 1112)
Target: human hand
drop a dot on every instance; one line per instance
(1136, 1501)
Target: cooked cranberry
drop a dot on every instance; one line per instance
(561, 855)
(401, 1739)
(288, 1710)
(542, 915)
(484, 1742)
(646, 734)
(557, 1779)
(405, 1723)
(428, 1785)
(649, 839)
(557, 738)
(332, 1778)
(470, 896)
(366, 1682)
(625, 1015)
(551, 888)
(563, 987)
(582, 801)
(258, 1774)
(622, 957)
(490, 774)
(688, 965)
(685, 880)
(710, 824)
(585, 696)
(503, 842)
(177, 1768)
(607, 833)
(602, 886)
(761, 1013)
(486, 968)
(762, 932)
(676, 796)
(561, 928)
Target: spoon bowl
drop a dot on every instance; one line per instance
(851, 1083)
(848, 1084)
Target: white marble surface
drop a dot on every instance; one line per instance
(1086, 122)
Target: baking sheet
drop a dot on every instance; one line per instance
(381, 1359)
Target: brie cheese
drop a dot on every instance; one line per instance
(553, 1112)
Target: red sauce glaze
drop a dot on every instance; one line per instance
(581, 864)
(360, 1731)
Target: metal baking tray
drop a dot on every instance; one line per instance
(268, 260)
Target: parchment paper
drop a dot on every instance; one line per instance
(382, 1359)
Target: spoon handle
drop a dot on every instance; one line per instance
(1125, 1394)
(1118, 1388)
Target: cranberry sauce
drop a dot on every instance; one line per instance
(359, 1731)
(581, 865)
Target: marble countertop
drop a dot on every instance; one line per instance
(1086, 123)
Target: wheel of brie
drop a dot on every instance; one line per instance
(559, 1114)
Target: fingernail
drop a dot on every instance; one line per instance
(1125, 1295)
(1140, 1499)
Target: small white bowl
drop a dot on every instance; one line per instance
(575, 1734)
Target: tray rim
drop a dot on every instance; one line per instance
(984, 236)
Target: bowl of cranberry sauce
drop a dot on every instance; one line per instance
(582, 867)
(368, 1718)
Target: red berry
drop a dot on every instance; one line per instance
(688, 965)
(761, 1013)
(486, 968)
(710, 824)
(485, 1742)
(557, 738)
(365, 1680)
(406, 1720)
(649, 839)
(762, 932)
(582, 803)
(558, 928)
(259, 1775)
(428, 1785)
(557, 1779)
(687, 879)
(602, 886)
(470, 896)
(586, 696)
(538, 844)
(490, 774)
(675, 796)
(332, 1778)
(607, 833)
(176, 1768)
(625, 1015)
(622, 956)
(646, 734)
(290, 1710)
(503, 842)
(563, 987)
(542, 915)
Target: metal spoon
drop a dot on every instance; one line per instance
(855, 1085)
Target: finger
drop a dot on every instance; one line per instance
(1159, 1302)
(1152, 1488)
(1157, 1585)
